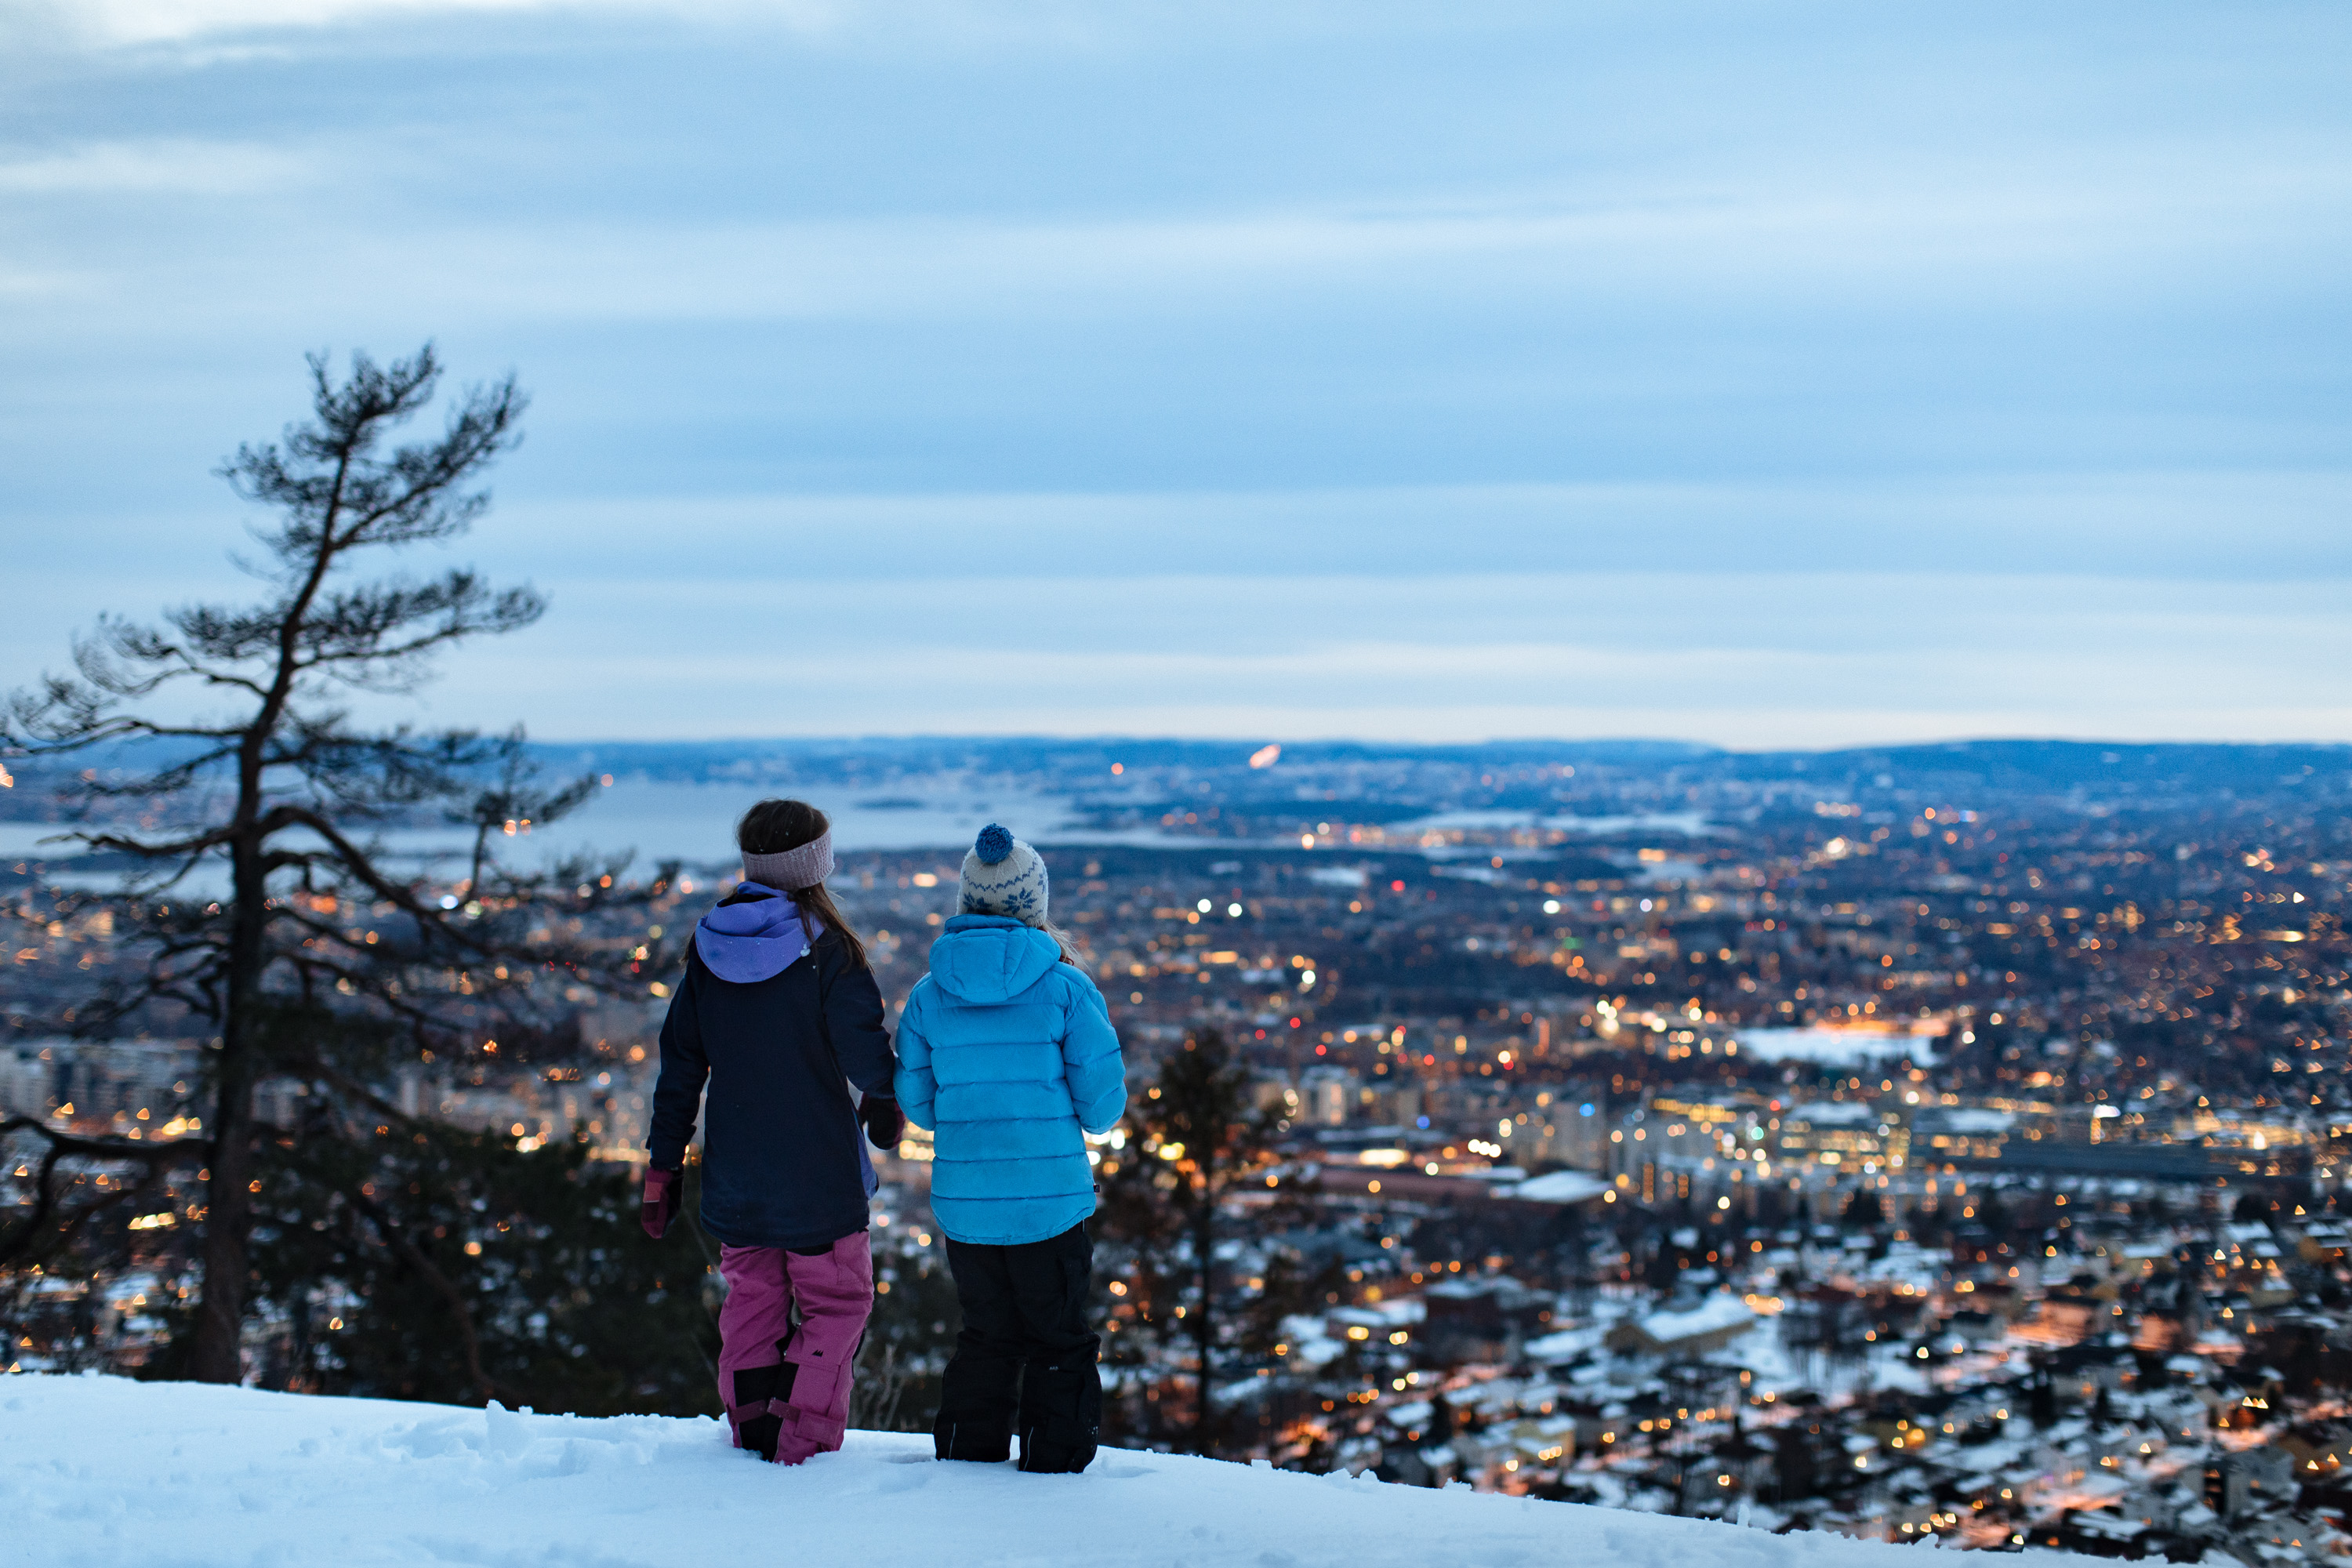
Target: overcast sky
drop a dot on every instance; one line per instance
(1762, 373)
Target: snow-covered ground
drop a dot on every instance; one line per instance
(106, 1471)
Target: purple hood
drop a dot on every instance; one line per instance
(757, 939)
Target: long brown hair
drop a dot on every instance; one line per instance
(773, 827)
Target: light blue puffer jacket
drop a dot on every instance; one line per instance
(1006, 1054)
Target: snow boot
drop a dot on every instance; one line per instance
(1061, 1412)
(785, 1381)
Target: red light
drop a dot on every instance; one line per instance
(1396, 887)
(1320, 1049)
(1294, 1023)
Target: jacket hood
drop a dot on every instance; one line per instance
(756, 939)
(987, 958)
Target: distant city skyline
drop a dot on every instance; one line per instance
(1779, 377)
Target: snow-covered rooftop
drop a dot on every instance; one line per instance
(1560, 1187)
(1968, 1119)
(1834, 1113)
(1716, 1313)
(1834, 1046)
(105, 1470)
(1566, 1345)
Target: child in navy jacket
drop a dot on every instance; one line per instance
(777, 1007)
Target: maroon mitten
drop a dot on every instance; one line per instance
(658, 1203)
(885, 1122)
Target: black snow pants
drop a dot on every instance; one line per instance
(1026, 1358)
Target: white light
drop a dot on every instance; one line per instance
(1551, 906)
(1234, 910)
(1205, 906)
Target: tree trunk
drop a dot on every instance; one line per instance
(217, 1355)
(1204, 1336)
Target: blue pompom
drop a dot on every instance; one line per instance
(992, 845)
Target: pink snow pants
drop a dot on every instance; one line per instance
(797, 1373)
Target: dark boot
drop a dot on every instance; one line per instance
(1061, 1412)
(980, 1445)
(760, 1389)
(978, 1395)
(1058, 1447)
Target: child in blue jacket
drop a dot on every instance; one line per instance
(1007, 1053)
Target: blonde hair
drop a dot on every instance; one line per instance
(1062, 940)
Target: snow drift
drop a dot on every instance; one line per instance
(106, 1471)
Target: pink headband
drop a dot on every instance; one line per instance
(793, 869)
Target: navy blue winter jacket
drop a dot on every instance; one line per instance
(783, 1164)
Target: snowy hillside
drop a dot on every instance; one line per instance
(104, 1471)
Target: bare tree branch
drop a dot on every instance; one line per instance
(21, 1240)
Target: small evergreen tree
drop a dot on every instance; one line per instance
(422, 1261)
(1189, 1140)
(1993, 1215)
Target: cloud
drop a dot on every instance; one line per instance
(148, 21)
(1750, 374)
(2200, 527)
(1794, 659)
(2049, 236)
(2093, 238)
(163, 166)
(1085, 25)
(178, 21)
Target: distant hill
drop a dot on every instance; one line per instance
(1376, 781)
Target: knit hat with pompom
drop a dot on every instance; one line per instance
(1003, 876)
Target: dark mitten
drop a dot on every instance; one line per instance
(658, 1203)
(885, 1122)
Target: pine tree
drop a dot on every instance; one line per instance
(234, 761)
(1189, 1140)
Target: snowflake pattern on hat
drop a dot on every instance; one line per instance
(1003, 876)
